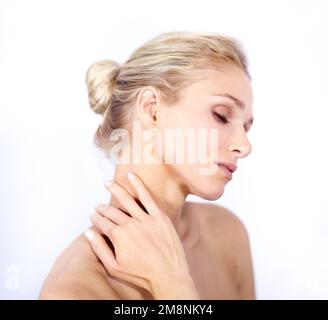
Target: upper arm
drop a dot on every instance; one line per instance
(74, 289)
(77, 274)
(70, 291)
(238, 248)
(244, 264)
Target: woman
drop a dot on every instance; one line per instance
(149, 242)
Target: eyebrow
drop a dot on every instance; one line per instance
(237, 102)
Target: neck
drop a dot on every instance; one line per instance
(169, 194)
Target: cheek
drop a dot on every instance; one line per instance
(191, 147)
(194, 139)
(224, 137)
(180, 140)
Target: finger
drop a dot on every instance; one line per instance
(114, 214)
(102, 250)
(107, 257)
(125, 199)
(144, 194)
(103, 224)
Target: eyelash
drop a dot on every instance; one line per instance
(222, 119)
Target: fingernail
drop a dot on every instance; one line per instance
(108, 183)
(131, 176)
(89, 234)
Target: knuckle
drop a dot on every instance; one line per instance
(95, 244)
(114, 232)
(95, 219)
(113, 268)
(113, 187)
(130, 223)
(107, 229)
(100, 207)
(149, 219)
(109, 211)
(147, 199)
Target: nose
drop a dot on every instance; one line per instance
(240, 144)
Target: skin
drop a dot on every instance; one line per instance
(208, 233)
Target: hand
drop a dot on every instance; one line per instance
(148, 250)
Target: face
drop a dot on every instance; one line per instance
(222, 100)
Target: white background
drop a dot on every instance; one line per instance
(51, 175)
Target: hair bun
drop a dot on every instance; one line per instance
(100, 80)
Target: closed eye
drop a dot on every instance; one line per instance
(221, 118)
(224, 120)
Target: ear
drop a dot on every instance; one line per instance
(148, 105)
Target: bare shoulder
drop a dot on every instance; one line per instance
(225, 230)
(77, 274)
(216, 216)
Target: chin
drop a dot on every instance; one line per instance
(212, 192)
(207, 187)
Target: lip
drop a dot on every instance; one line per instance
(227, 168)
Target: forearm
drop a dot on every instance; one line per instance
(173, 289)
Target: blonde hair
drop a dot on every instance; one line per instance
(167, 62)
